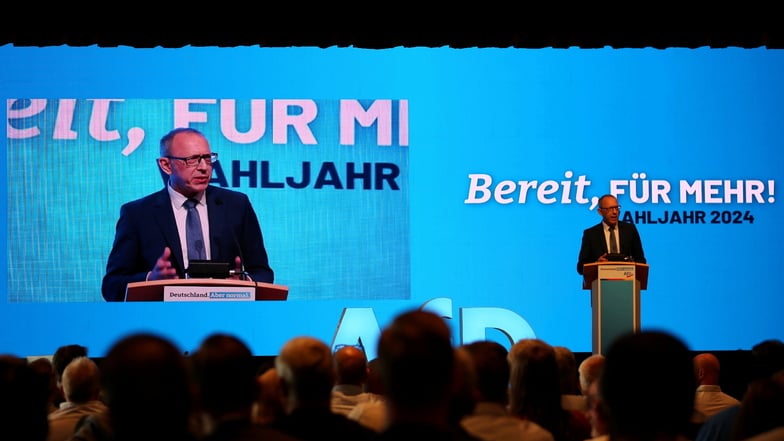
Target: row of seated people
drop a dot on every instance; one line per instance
(647, 387)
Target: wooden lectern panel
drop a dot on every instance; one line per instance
(591, 273)
(152, 291)
(615, 299)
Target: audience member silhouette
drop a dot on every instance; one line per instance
(23, 401)
(147, 389)
(270, 405)
(45, 373)
(766, 358)
(762, 409)
(589, 371)
(225, 374)
(373, 384)
(416, 363)
(351, 376)
(490, 420)
(61, 358)
(662, 411)
(464, 394)
(372, 413)
(535, 391)
(709, 398)
(571, 396)
(304, 365)
(81, 386)
(597, 412)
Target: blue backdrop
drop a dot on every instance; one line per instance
(458, 179)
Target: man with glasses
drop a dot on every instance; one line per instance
(154, 234)
(610, 239)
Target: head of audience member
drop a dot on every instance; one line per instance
(373, 383)
(567, 370)
(304, 366)
(663, 363)
(762, 407)
(81, 381)
(225, 375)
(62, 356)
(767, 358)
(351, 366)
(534, 384)
(464, 390)
(589, 371)
(706, 369)
(46, 375)
(270, 405)
(23, 401)
(147, 388)
(416, 366)
(492, 370)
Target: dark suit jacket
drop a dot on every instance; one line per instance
(320, 423)
(594, 244)
(245, 430)
(146, 226)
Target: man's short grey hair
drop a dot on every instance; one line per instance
(81, 380)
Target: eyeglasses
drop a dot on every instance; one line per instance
(359, 346)
(615, 208)
(193, 161)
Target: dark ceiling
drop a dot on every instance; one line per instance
(386, 25)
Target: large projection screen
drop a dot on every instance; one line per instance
(458, 180)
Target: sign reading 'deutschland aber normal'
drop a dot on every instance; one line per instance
(207, 294)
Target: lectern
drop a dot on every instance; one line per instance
(615, 299)
(199, 289)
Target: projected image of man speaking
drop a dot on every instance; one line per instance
(158, 235)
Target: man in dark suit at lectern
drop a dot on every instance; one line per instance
(610, 238)
(158, 235)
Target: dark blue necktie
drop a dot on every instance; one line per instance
(613, 243)
(193, 234)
